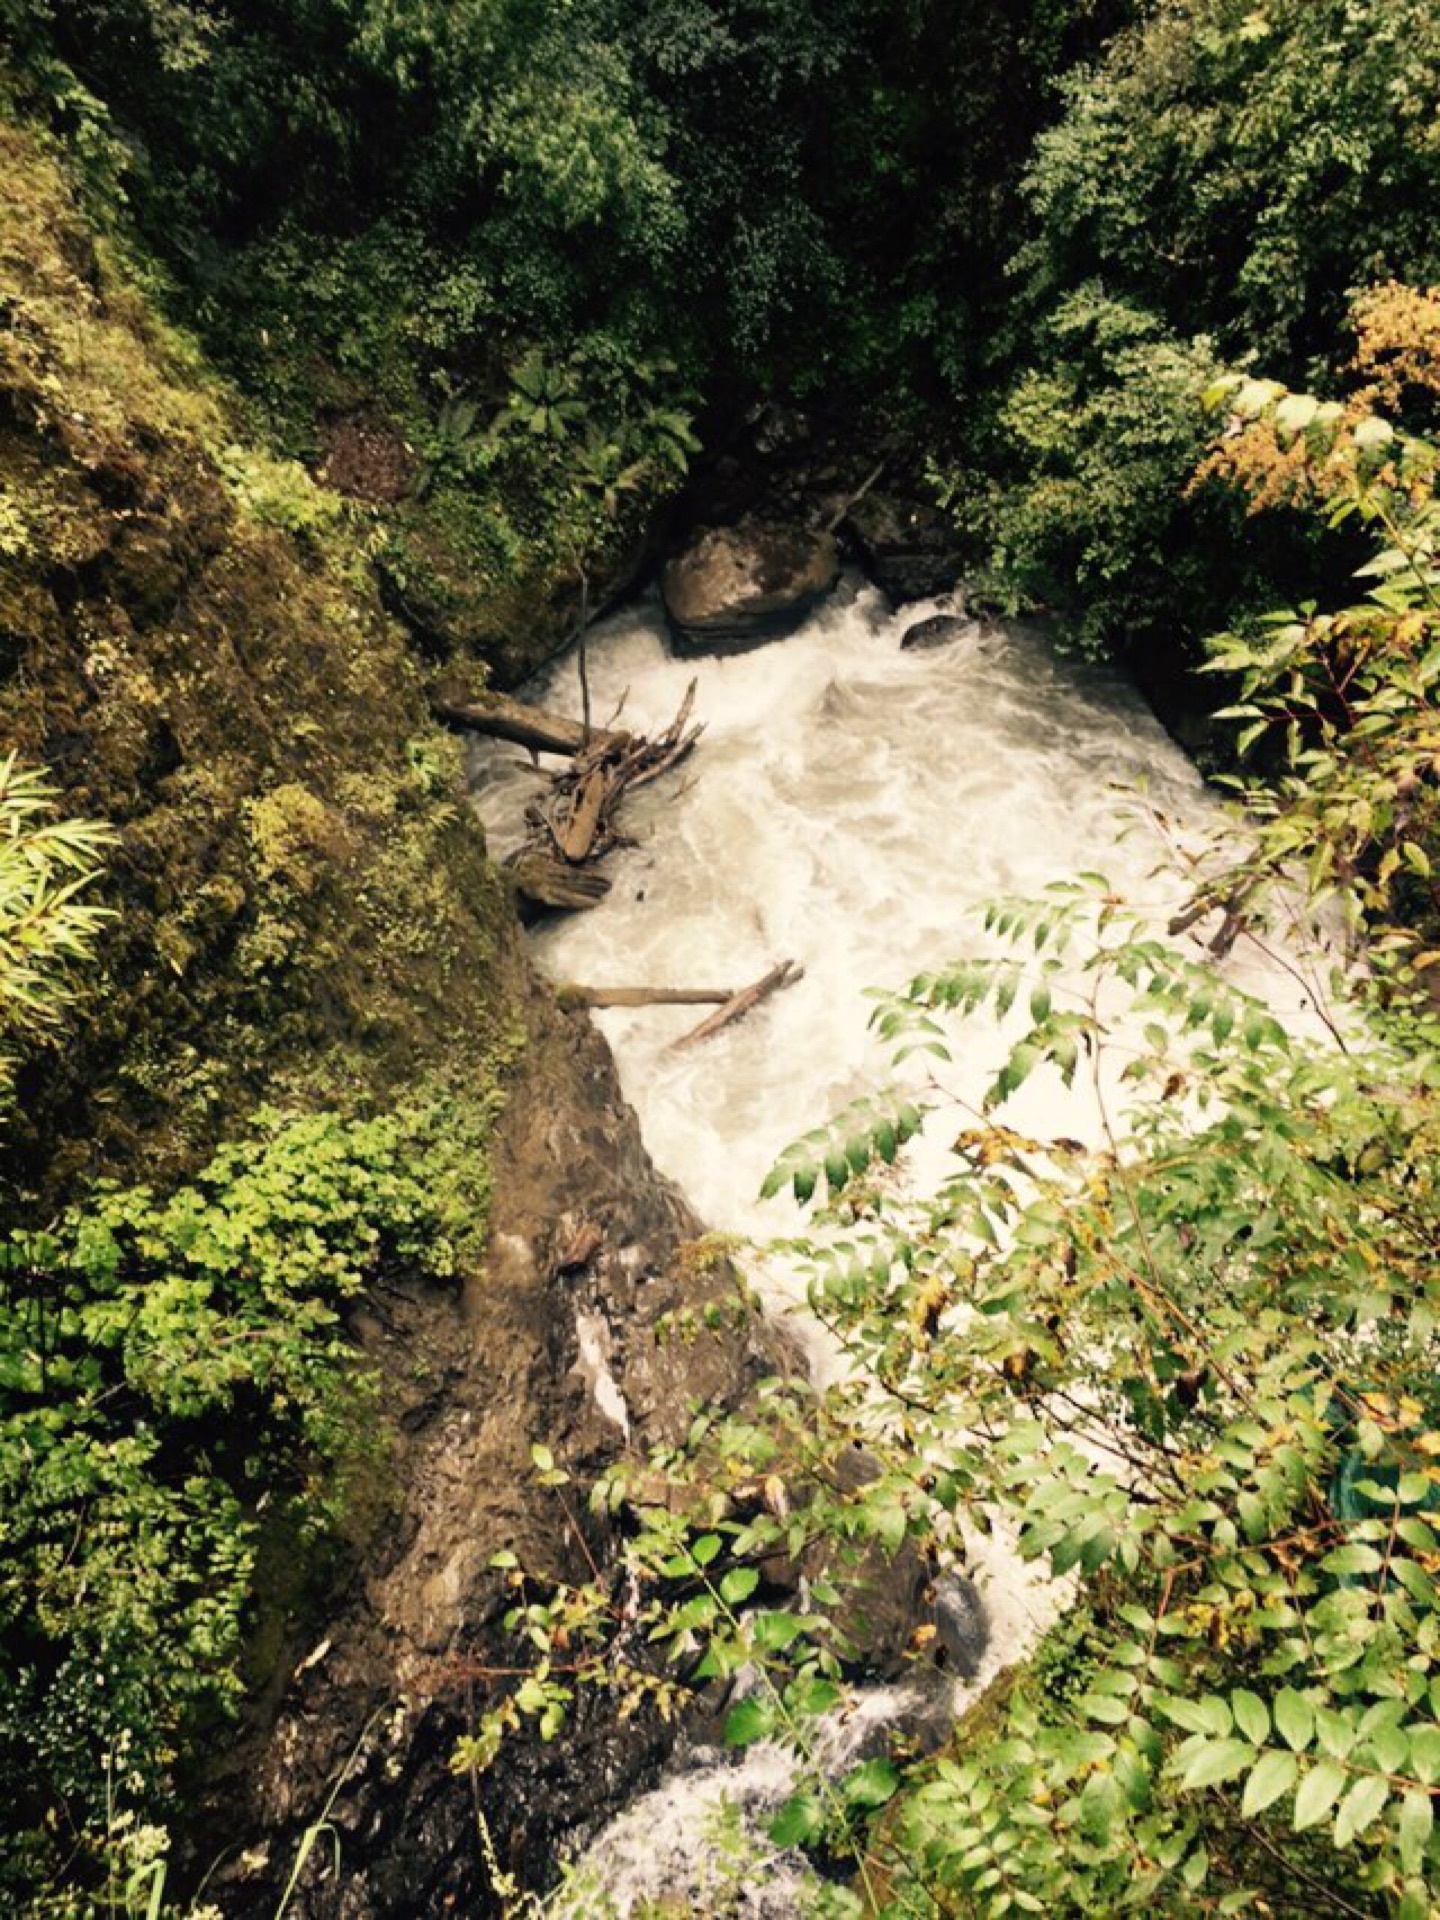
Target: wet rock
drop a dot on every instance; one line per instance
(961, 1625)
(908, 547)
(1184, 700)
(938, 631)
(554, 1341)
(780, 430)
(889, 1612)
(734, 587)
(888, 1605)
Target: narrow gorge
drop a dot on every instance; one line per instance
(719, 935)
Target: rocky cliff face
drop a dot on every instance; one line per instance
(555, 1337)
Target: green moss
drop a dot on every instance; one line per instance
(201, 656)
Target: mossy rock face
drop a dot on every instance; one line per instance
(473, 596)
(195, 648)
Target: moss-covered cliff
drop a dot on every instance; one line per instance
(194, 644)
(304, 921)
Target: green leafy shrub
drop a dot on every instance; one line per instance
(1242, 169)
(1107, 434)
(1217, 186)
(1193, 1366)
(175, 1374)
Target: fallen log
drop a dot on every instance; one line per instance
(502, 718)
(574, 996)
(577, 818)
(548, 882)
(577, 837)
(739, 1004)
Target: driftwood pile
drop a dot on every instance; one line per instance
(577, 817)
(572, 825)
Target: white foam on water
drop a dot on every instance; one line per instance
(850, 807)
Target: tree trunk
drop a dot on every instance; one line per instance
(502, 718)
(739, 1004)
(575, 996)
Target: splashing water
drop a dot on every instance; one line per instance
(850, 807)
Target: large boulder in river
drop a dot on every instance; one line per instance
(908, 547)
(734, 587)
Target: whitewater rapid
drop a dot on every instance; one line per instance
(850, 807)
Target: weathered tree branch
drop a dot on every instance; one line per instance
(739, 1004)
(504, 718)
(548, 882)
(577, 996)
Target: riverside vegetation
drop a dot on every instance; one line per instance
(1194, 1367)
(351, 342)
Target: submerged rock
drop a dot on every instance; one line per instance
(938, 631)
(733, 587)
(895, 1607)
(961, 1624)
(908, 547)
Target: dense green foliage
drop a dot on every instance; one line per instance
(1218, 187)
(735, 184)
(1024, 240)
(390, 220)
(175, 1379)
(196, 1196)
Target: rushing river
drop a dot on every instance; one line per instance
(848, 808)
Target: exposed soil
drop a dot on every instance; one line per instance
(367, 459)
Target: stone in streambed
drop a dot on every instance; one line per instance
(908, 546)
(938, 631)
(734, 587)
(899, 1614)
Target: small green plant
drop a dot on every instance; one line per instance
(47, 928)
(544, 398)
(281, 493)
(17, 541)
